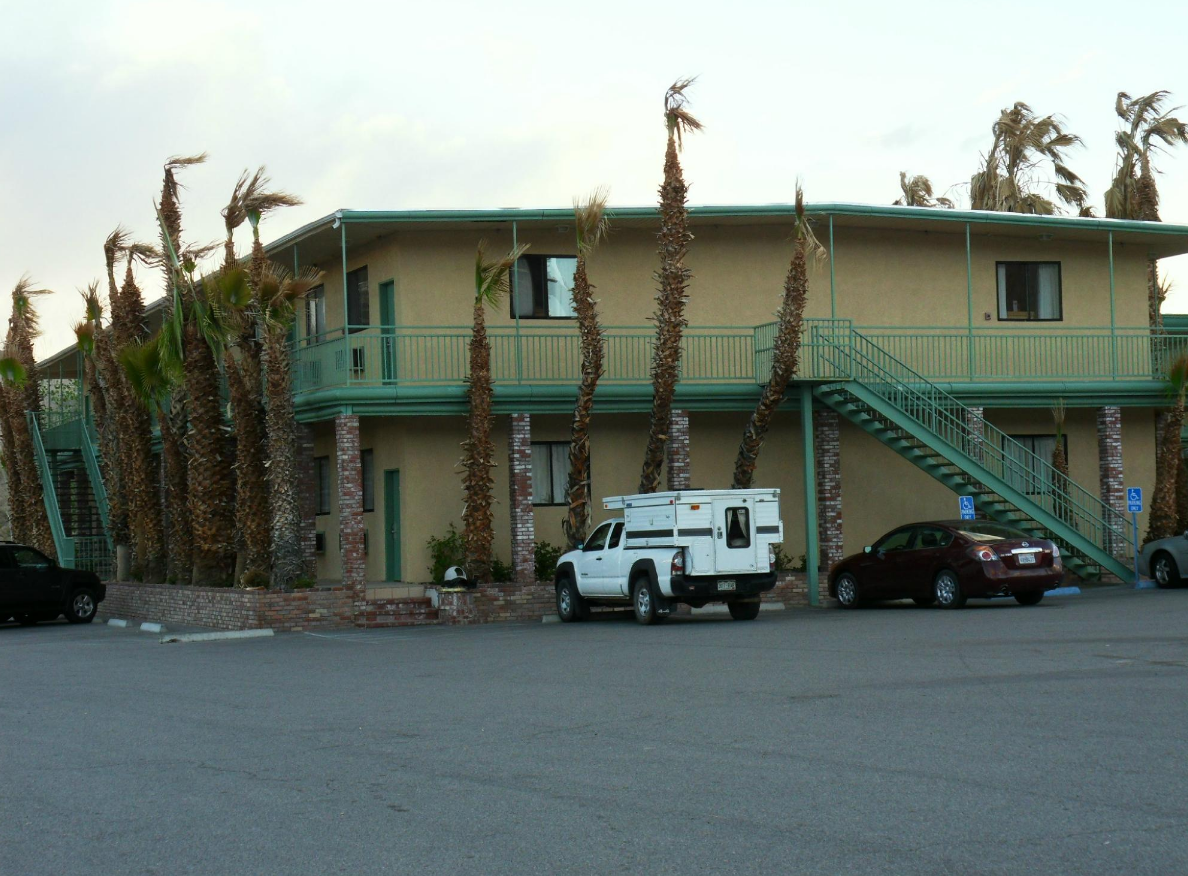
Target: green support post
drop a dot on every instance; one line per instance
(1113, 314)
(346, 333)
(812, 553)
(969, 302)
(516, 309)
(832, 276)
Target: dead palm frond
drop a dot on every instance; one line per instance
(92, 303)
(23, 310)
(84, 336)
(677, 117)
(591, 220)
(1147, 129)
(917, 192)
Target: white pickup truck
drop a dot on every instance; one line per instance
(690, 546)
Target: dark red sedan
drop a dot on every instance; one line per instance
(947, 562)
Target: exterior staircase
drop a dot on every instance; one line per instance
(927, 426)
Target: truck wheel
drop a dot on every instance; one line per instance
(570, 605)
(81, 608)
(740, 610)
(643, 600)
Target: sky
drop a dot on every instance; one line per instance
(399, 105)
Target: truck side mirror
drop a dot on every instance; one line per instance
(866, 550)
(580, 545)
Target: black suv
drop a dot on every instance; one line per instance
(34, 588)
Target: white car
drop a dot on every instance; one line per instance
(1165, 559)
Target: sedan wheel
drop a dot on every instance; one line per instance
(1164, 570)
(847, 591)
(947, 590)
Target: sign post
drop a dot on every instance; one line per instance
(966, 505)
(1134, 504)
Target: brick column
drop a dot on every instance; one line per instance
(678, 451)
(1109, 465)
(827, 449)
(350, 503)
(523, 527)
(308, 497)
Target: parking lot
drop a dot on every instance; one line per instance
(998, 739)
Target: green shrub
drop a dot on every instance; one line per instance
(783, 562)
(304, 583)
(254, 578)
(501, 572)
(546, 560)
(446, 551)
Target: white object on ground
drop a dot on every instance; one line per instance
(216, 637)
(149, 627)
(116, 622)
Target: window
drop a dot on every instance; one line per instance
(597, 541)
(322, 473)
(27, 558)
(550, 472)
(738, 528)
(367, 464)
(315, 315)
(931, 538)
(896, 541)
(1024, 472)
(543, 287)
(616, 536)
(358, 303)
(1029, 291)
(986, 530)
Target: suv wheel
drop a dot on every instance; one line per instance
(744, 610)
(81, 608)
(947, 590)
(643, 600)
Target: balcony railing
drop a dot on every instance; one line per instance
(437, 355)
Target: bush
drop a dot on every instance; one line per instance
(546, 560)
(446, 551)
(254, 578)
(783, 561)
(501, 572)
(304, 583)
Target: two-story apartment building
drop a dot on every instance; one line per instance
(936, 344)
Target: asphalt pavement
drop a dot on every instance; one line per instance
(997, 739)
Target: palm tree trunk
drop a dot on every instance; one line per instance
(1162, 522)
(577, 520)
(1182, 495)
(180, 551)
(670, 313)
(785, 354)
(288, 560)
(16, 490)
(479, 454)
(252, 514)
(39, 534)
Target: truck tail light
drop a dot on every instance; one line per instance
(678, 563)
(983, 553)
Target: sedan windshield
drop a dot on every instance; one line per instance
(985, 531)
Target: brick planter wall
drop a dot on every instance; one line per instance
(791, 589)
(228, 609)
(411, 612)
(515, 602)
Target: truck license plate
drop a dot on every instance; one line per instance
(725, 585)
(1026, 559)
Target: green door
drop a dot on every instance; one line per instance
(392, 524)
(387, 302)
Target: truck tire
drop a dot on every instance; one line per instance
(643, 600)
(740, 610)
(570, 605)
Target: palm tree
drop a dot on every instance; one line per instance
(590, 220)
(917, 192)
(1023, 143)
(673, 278)
(478, 450)
(785, 350)
(23, 330)
(1163, 518)
(12, 378)
(1133, 193)
(195, 333)
(279, 291)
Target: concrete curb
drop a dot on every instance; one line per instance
(216, 637)
(116, 622)
(149, 627)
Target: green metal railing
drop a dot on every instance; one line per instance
(94, 554)
(835, 348)
(63, 546)
(378, 355)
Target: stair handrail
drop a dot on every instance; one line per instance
(62, 545)
(1108, 527)
(95, 474)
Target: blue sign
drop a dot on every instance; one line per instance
(966, 504)
(1134, 500)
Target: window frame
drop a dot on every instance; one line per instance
(1024, 440)
(561, 501)
(743, 512)
(537, 257)
(609, 527)
(1000, 294)
(315, 305)
(322, 468)
(362, 303)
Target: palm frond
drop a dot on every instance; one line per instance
(491, 277)
(676, 114)
(12, 371)
(803, 230)
(84, 334)
(23, 310)
(258, 201)
(92, 303)
(150, 372)
(591, 220)
(115, 243)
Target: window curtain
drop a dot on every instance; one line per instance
(1003, 309)
(541, 477)
(560, 472)
(559, 276)
(521, 280)
(1048, 291)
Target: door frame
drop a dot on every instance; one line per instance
(392, 528)
(387, 303)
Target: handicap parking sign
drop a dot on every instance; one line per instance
(1134, 500)
(966, 504)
